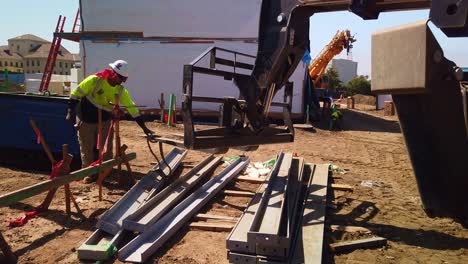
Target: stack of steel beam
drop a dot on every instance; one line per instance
(270, 226)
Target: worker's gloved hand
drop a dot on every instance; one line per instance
(69, 117)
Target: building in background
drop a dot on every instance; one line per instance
(347, 69)
(28, 54)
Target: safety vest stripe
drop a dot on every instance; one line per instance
(78, 89)
(91, 100)
(75, 97)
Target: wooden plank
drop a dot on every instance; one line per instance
(250, 179)
(26, 192)
(147, 243)
(350, 229)
(372, 242)
(313, 218)
(342, 187)
(223, 227)
(238, 193)
(216, 217)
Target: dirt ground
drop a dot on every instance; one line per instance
(369, 148)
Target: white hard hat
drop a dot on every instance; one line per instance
(120, 67)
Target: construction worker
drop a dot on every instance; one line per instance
(336, 116)
(98, 91)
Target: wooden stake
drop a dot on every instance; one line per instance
(43, 142)
(99, 181)
(161, 108)
(117, 138)
(67, 186)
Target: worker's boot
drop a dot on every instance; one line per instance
(90, 179)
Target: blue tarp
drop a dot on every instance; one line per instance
(17, 78)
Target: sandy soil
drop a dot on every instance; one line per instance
(370, 148)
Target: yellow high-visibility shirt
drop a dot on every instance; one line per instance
(101, 94)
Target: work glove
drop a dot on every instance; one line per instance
(70, 116)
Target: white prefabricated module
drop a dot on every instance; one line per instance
(156, 61)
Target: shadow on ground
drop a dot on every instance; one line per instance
(359, 121)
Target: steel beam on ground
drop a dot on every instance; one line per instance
(21, 194)
(268, 232)
(158, 205)
(296, 250)
(313, 219)
(140, 193)
(100, 245)
(239, 258)
(237, 240)
(144, 245)
(282, 249)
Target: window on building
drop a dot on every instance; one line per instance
(66, 65)
(32, 63)
(11, 64)
(1, 64)
(17, 47)
(38, 71)
(61, 73)
(21, 65)
(16, 64)
(55, 72)
(27, 63)
(60, 64)
(38, 63)
(27, 71)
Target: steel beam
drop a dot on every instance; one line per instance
(140, 193)
(100, 245)
(271, 228)
(313, 219)
(237, 239)
(161, 203)
(144, 245)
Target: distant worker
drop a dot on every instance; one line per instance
(336, 118)
(98, 91)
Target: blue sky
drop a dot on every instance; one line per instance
(39, 18)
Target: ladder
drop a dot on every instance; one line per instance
(77, 24)
(54, 50)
